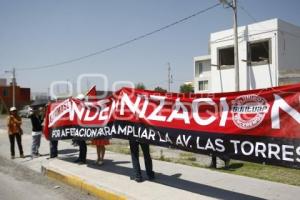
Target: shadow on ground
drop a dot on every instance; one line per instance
(68, 151)
(170, 180)
(235, 166)
(232, 167)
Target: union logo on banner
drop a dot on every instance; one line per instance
(248, 111)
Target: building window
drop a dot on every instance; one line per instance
(203, 85)
(198, 68)
(5, 92)
(226, 56)
(260, 52)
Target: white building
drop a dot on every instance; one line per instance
(269, 55)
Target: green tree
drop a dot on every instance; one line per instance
(140, 86)
(186, 88)
(159, 89)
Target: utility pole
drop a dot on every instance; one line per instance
(67, 86)
(233, 5)
(14, 86)
(169, 77)
(73, 86)
(48, 94)
(13, 72)
(236, 50)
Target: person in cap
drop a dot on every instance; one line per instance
(15, 131)
(37, 128)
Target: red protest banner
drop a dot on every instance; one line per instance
(257, 125)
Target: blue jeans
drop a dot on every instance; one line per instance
(36, 141)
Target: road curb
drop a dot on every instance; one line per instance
(81, 184)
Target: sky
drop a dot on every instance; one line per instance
(36, 33)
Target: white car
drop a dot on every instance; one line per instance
(26, 111)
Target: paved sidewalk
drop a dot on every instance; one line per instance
(173, 181)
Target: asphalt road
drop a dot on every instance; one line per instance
(18, 183)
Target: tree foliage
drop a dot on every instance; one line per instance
(186, 88)
(140, 86)
(159, 89)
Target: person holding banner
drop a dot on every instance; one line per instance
(134, 149)
(80, 142)
(52, 143)
(53, 148)
(82, 151)
(100, 146)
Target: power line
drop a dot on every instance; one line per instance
(179, 80)
(255, 20)
(158, 83)
(230, 36)
(248, 13)
(120, 44)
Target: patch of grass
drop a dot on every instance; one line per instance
(121, 147)
(164, 159)
(118, 148)
(196, 164)
(187, 156)
(188, 161)
(266, 172)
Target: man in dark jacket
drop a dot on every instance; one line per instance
(37, 128)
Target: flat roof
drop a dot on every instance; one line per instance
(200, 58)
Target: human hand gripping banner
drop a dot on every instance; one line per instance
(258, 126)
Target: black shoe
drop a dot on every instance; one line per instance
(52, 156)
(82, 162)
(138, 179)
(151, 176)
(227, 164)
(35, 155)
(213, 165)
(77, 161)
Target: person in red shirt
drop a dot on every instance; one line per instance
(100, 145)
